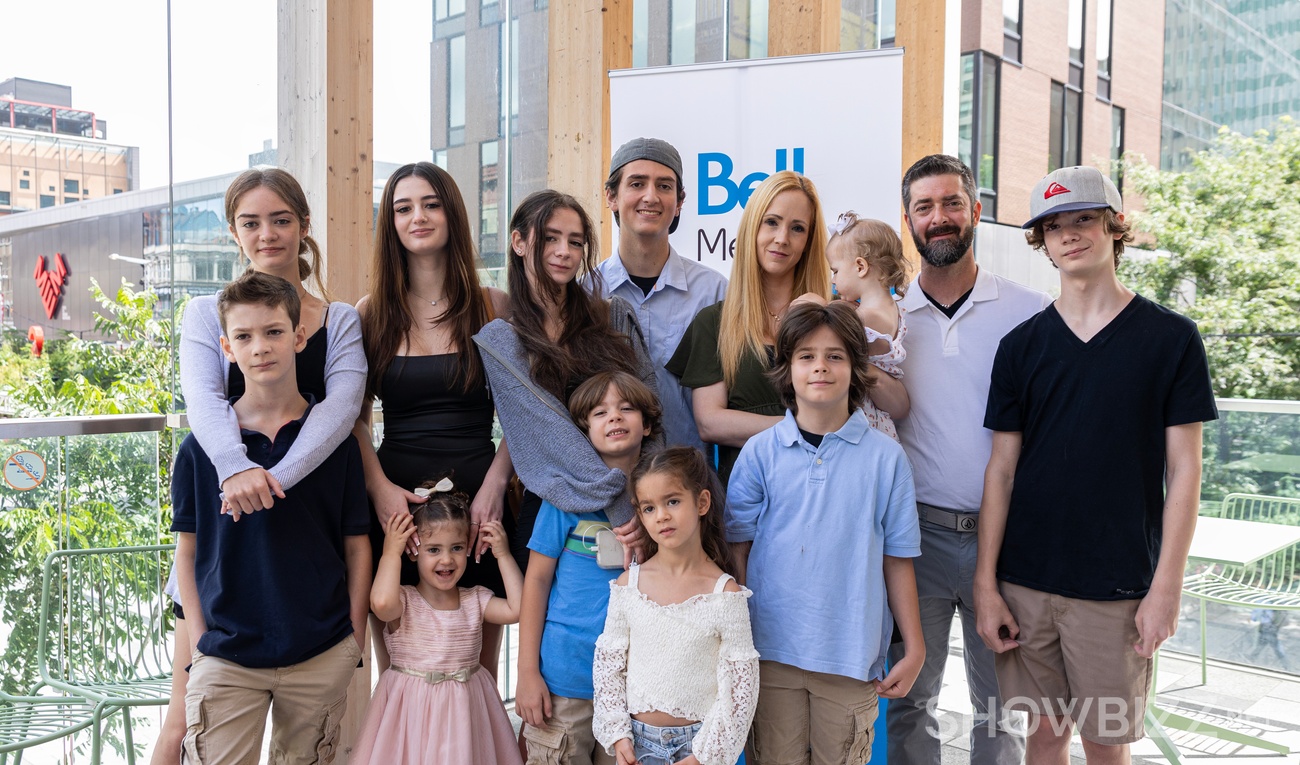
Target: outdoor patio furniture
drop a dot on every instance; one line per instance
(26, 721)
(1272, 582)
(103, 632)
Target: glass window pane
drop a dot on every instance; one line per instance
(1071, 137)
(986, 173)
(1074, 30)
(456, 87)
(1011, 16)
(403, 101)
(747, 38)
(966, 110)
(1117, 146)
(1103, 36)
(681, 43)
(1054, 127)
(887, 25)
(859, 29)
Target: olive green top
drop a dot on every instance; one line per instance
(697, 364)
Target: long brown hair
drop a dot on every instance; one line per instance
(744, 311)
(287, 188)
(688, 466)
(388, 318)
(587, 344)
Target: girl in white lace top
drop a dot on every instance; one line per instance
(676, 673)
(868, 268)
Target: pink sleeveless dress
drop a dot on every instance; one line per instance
(436, 704)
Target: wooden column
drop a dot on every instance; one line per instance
(803, 26)
(326, 134)
(587, 39)
(325, 103)
(921, 29)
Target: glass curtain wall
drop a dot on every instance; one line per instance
(1235, 64)
(483, 64)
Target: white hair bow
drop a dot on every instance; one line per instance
(445, 485)
(842, 223)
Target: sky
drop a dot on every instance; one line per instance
(114, 55)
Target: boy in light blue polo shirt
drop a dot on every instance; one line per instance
(821, 513)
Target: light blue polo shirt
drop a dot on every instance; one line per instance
(822, 520)
(684, 287)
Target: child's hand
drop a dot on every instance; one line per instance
(533, 699)
(249, 491)
(624, 752)
(397, 533)
(898, 682)
(495, 535)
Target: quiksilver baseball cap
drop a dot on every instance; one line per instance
(1072, 188)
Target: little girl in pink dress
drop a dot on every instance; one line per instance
(435, 703)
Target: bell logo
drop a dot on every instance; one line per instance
(50, 282)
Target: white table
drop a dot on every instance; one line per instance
(1239, 543)
(1230, 542)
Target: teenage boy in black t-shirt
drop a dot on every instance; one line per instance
(277, 602)
(1091, 492)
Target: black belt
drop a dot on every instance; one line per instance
(965, 522)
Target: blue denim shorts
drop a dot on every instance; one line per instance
(662, 746)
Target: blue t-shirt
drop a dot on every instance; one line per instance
(575, 611)
(274, 586)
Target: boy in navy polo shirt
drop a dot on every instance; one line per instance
(1092, 487)
(280, 597)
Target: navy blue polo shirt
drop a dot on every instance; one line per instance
(273, 586)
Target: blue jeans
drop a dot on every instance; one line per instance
(662, 746)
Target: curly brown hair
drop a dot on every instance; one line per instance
(1110, 221)
(800, 322)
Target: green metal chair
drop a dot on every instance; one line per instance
(1272, 583)
(103, 632)
(27, 721)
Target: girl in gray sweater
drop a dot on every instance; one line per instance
(557, 335)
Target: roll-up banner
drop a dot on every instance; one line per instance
(836, 118)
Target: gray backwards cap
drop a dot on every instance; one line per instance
(655, 150)
(1072, 188)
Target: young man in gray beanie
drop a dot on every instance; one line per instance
(645, 193)
(1092, 488)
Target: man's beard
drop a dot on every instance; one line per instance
(945, 252)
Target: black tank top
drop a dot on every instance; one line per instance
(310, 365)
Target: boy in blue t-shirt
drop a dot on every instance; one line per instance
(277, 602)
(566, 592)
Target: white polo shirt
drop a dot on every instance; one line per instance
(946, 374)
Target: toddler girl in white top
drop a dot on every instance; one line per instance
(676, 673)
(867, 268)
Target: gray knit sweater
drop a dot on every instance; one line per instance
(552, 457)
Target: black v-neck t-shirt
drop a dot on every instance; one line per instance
(1087, 505)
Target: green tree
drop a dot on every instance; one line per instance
(1231, 225)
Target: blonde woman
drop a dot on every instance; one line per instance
(727, 350)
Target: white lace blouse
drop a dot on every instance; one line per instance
(693, 659)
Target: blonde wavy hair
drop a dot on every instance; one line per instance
(744, 310)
